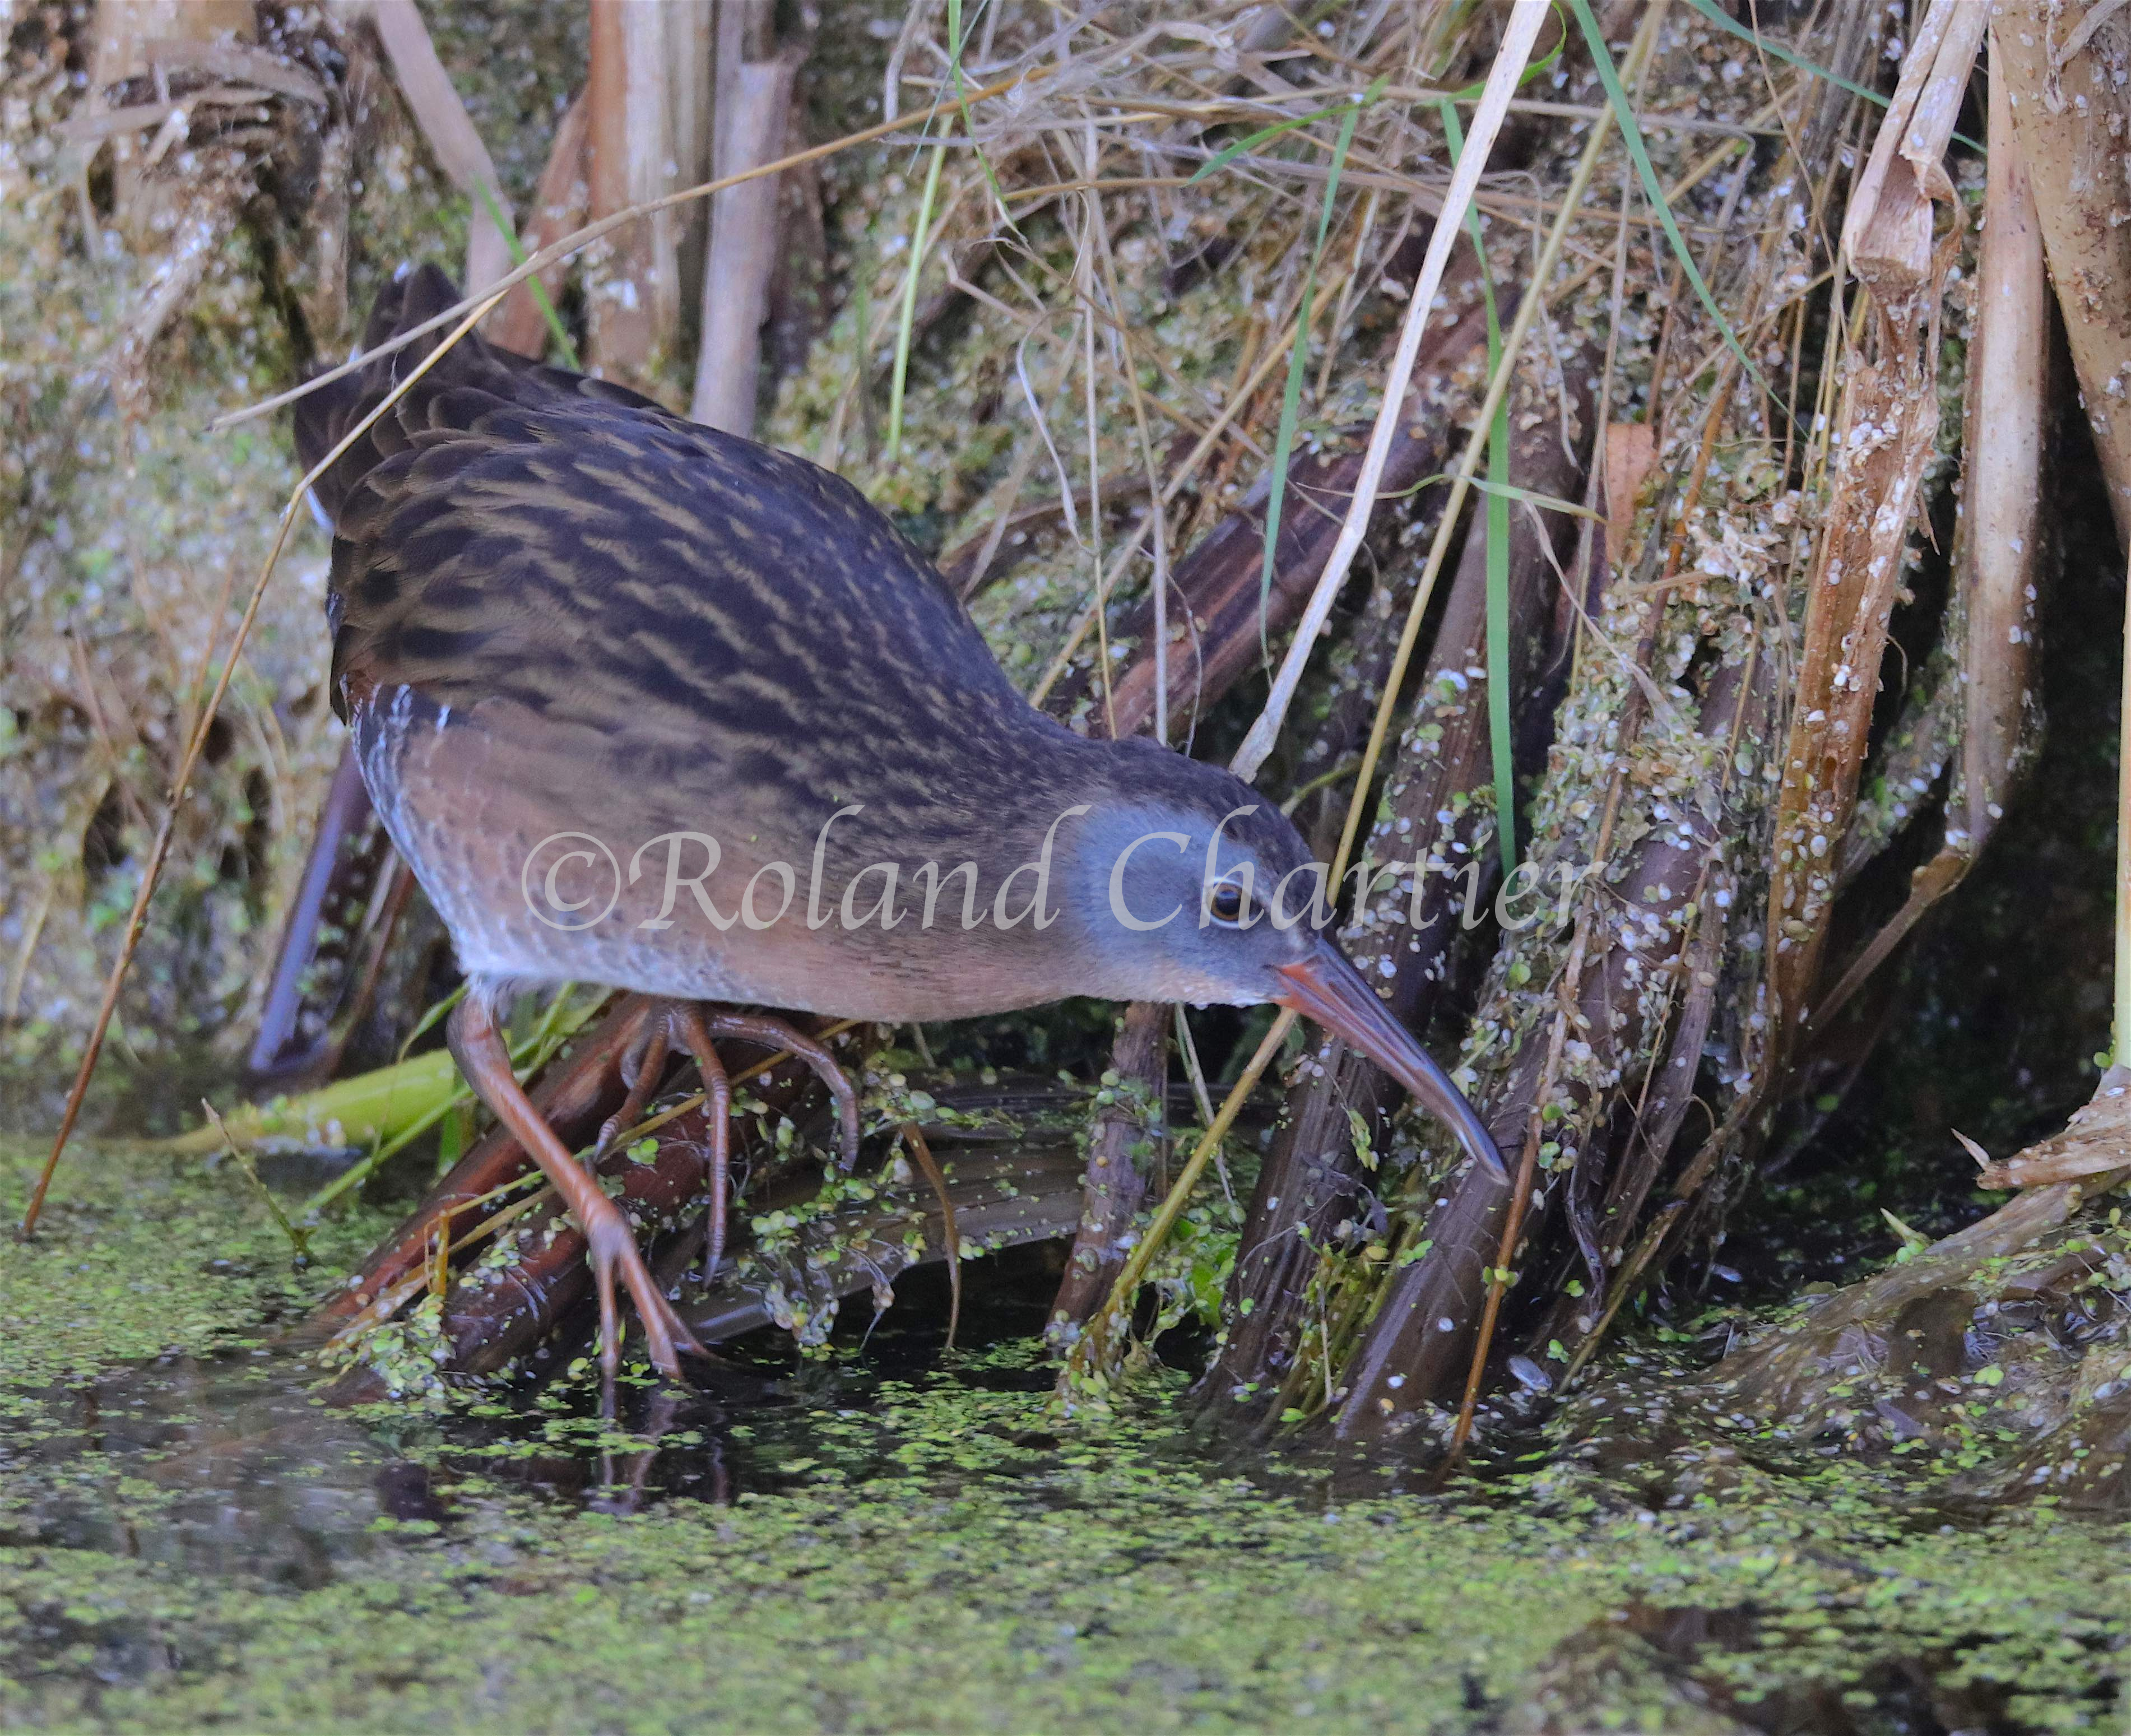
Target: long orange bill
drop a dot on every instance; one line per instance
(1326, 988)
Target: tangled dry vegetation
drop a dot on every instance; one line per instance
(1731, 363)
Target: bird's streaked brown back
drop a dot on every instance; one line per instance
(717, 610)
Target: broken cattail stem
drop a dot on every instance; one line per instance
(754, 105)
(1898, 244)
(1997, 543)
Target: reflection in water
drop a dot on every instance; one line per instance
(215, 1469)
(234, 1468)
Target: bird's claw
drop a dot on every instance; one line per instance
(611, 1244)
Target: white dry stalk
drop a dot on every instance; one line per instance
(450, 132)
(1527, 16)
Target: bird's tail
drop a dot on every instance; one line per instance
(411, 301)
(412, 298)
(323, 417)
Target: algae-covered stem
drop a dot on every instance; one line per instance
(1461, 483)
(469, 313)
(2120, 1045)
(1091, 1356)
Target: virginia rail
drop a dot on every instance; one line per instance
(618, 684)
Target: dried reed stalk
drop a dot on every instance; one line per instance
(1997, 542)
(753, 113)
(2069, 92)
(1885, 434)
(634, 290)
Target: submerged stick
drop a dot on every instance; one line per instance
(995, 1199)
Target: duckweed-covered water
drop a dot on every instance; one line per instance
(189, 1539)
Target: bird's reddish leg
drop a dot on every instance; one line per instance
(774, 1033)
(649, 1062)
(478, 1047)
(687, 1024)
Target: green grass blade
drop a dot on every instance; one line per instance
(1472, 92)
(955, 38)
(1298, 360)
(1631, 135)
(1497, 523)
(1717, 16)
(429, 1019)
(1723, 20)
(918, 242)
(564, 347)
(1228, 154)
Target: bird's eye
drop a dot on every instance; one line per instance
(1226, 902)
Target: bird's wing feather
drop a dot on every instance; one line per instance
(721, 612)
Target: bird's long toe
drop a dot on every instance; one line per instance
(612, 1248)
(776, 1033)
(641, 1069)
(689, 1026)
